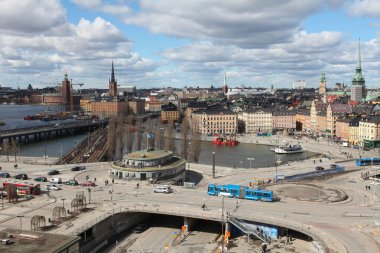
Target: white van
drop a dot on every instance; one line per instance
(56, 180)
(163, 189)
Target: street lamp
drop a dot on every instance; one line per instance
(213, 164)
(63, 202)
(250, 159)
(223, 194)
(89, 195)
(19, 216)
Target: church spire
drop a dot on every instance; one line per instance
(225, 79)
(112, 74)
(359, 63)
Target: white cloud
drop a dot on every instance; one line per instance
(30, 16)
(244, 23)
(365, 8)
(103, 6)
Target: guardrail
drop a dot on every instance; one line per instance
(304, 228)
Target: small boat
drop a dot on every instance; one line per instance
(2, 123)
(288, 149)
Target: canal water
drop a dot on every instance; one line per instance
(228, 156)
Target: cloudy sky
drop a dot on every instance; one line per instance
(160, 43)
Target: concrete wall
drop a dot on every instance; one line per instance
(100, 233)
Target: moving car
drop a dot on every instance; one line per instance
(5, 175)
(87, 183)
(78, 168)
(21, 176)
(162, 189)
(52, 187)
(41, 179)
(56, 180)
(72, 182)
(140, 228)
(319, 168)
(53, 172)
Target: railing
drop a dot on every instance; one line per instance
(304, 228)
(240, 224)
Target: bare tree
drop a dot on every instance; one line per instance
(149, 130)
(195, 143)
(183, 139)
(120, 136)
(111, 139)
(139, 132)
(158, 137)
(169, 137)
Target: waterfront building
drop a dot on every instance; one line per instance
(358, 89)
(112, 84)
(257, 120)
(215, 121)
(284, 120)
(136, 106)
(301, 117)
(153, 106)
(353, 130)
(108, 108)
(169, 112)
(369, 131)
(194, 106)
(342, 129)
(63, 97)
(158, 165)
(85, 105)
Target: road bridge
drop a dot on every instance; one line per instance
(26, 135)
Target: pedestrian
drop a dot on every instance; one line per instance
(94, 179)
(113, 180)
(369, 187)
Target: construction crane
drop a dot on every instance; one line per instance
(72, 94)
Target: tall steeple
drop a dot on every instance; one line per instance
(113, 83)
(358, 89)
(112, 74)
(322, 85)
(225, 88)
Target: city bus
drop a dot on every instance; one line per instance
(242, 192)
(367, 161)
(25, 188)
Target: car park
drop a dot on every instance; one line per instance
(88, 183)
(163, 189)
(21, 176)
(5, 175)
(40, 179)
(72, 182)
(53, 172)
(52, 187)
(139, 228)
(319, 168)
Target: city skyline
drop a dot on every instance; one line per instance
(164, 43)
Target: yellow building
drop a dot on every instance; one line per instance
(369, 131)
(85, 105)
(215, 121)
(109, 108)
(169, 112)
(353, 130)
(257, 120)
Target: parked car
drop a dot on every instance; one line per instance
(367, 148)
(163, 189)
(21, 176)
(88, 183)
(53, 172)
(72, 182)
(78, 168)
(139, 228)
(5, 175)
(319, 168)
(56, 180)
(52, 187)
(41, 179)
(355, 146)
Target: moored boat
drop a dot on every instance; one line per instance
(288, 149)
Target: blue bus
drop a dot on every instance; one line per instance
(367, 161)
(242, 192)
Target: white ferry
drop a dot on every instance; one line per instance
(288, 149)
